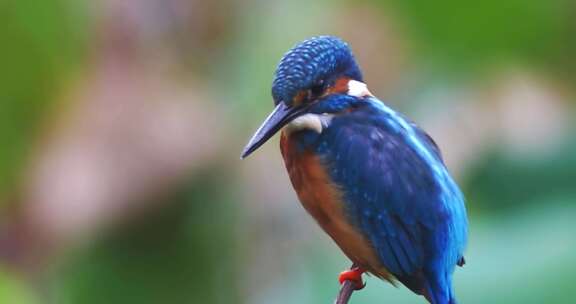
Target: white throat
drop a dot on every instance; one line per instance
(314, 122)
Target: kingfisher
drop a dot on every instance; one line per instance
(372, 179)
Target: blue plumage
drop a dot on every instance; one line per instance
(397, 192)
(374, 180)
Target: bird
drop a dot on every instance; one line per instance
(373, 180)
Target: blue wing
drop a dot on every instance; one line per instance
(397, 192)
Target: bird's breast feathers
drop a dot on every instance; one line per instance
(324, 201)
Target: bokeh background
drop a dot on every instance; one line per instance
(121, 125)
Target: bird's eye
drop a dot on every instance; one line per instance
(310, 95)
(316, 91)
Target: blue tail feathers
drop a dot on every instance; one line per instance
(439, 291)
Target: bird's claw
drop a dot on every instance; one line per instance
(353, 275)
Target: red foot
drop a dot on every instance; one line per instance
(354, 275)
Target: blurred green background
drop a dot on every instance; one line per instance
(121, 124)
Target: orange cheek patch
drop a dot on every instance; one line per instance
(340, 86)
(299, 98)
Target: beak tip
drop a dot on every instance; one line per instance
(245, 153)
(281, 115)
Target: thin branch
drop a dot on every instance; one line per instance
(345, 293)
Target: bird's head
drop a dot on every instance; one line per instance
(309, 73)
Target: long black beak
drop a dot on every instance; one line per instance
(281, 115)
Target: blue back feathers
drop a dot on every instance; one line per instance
(315, 60)
(397, 191)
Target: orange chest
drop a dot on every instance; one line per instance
(317, 193)
(324, 201)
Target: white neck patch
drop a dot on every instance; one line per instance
(315, 122)
(358, 89)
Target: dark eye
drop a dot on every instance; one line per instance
(316, 91)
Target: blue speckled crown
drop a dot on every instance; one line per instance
(321, 58)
